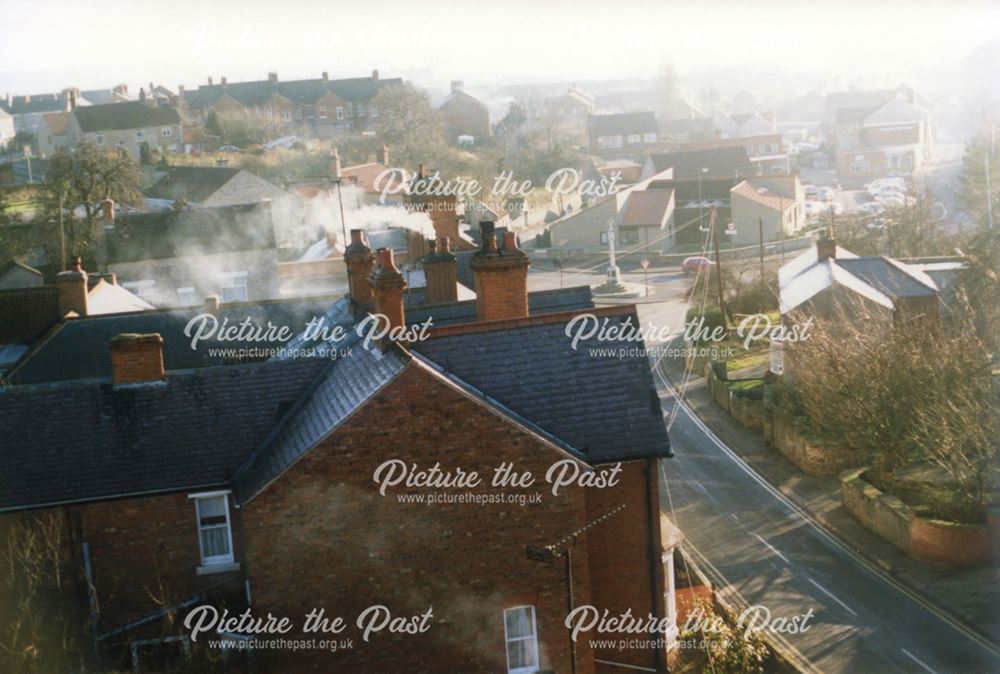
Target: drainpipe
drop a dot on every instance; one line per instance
(652, 517)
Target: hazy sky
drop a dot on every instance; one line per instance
(49, 44)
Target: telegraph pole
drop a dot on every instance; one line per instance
(714, 226)
(760, 230)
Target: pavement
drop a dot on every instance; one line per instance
(780, 538)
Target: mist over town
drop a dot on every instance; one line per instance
(562, 338)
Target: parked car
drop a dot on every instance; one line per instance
(696, 263)
(229, 148)
(871, 208)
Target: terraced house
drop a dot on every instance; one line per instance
(251, 485)
(319, 105)
(128, 126)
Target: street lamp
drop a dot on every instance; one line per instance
(644, 263)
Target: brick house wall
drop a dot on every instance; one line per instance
(131, 140)
(467, 561)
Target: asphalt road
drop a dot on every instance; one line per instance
(772, 554)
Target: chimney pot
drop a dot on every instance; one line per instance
(223, 81)
(375, 74)
(136, 358)
(212, 305)
(209, 80)
(71, 286)
(272, 77)
(488, 234)
(326, 76)
(431, 246)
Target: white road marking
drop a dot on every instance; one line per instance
(833, 597)
(773, 549)
(733, 515)
(917, 660)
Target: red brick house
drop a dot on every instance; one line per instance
(254, 486)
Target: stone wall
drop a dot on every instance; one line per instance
(922, 537)
(746, 410)
(810, 458)
(880, 513)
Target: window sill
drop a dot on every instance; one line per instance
(207, 569)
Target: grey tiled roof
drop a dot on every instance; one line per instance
(539, 302)
(883, 275)
(190, 231)
(79, 348)
(624, 122)
(299, 91)
(118, 116)
(605, 406)
(723, 161)
(194, 183)
(85, 441)
(346, 385)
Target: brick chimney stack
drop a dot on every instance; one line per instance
(136, 358)
(212, 304)
(326, 76)
(272, 77)
(388, 285)
(375, 74)
(501, 277)
(441, 271)
(443, 209)
(72, 289)
(360, 260)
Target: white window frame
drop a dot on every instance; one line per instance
(140, 135)
(226, 282)
(99, 139)
(373, 111)
(321, 111)
(633, 138)
(650, 137)
(610, 142)
(216, 560)
(530, 669)
(340, 113)
(166, 132)
(188, 291)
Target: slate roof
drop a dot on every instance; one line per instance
(80, 442)
(604, 406)
(623, 123)
(118, 116)
(720, 162)
(194, 231)
(25, 313)
(78, 349)
(345, 386)
(25, 105)
(354, 89)
(539, 302)
(194, 183)
(892, 279)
